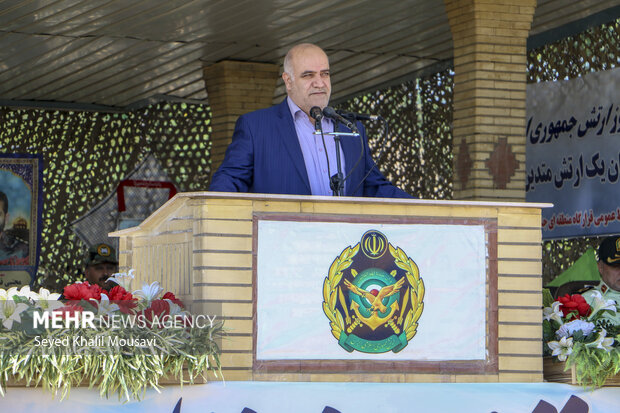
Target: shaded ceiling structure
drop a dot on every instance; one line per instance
(119, 55)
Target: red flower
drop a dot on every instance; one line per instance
(79, 291)
(69, 309)
(158, 309)
(575, 304)
(122, 298)
(119, 293)
(170, 296)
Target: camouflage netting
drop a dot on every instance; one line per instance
(86, 154)
(417, 154)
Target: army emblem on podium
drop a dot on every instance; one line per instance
(373, 296)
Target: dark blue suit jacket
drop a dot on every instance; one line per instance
(265, 157)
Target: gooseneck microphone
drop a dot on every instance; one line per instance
(332, 114)
(352, 116)
(317, 114)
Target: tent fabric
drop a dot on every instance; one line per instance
(584, 269)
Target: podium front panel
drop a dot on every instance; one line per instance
(324, 289)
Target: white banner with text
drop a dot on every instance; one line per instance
(573, 154)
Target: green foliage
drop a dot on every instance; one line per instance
(593, 366)
(126, 370)
(128, 376)
(547, 297)
(549, 327)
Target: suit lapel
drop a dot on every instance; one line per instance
(288, 137)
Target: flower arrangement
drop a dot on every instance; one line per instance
(583, 336)
(120, 341)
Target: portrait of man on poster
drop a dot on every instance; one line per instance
(13, 245)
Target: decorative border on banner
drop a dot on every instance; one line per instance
(487, 366)
(13, 161)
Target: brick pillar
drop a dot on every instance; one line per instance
(489, 97)
(235, 88)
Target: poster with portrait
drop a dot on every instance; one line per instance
(21, 202)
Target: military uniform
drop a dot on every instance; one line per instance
(609, 258)
(11, 248)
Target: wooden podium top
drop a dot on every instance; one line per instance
(180, 198)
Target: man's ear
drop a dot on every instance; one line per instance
(287, 80)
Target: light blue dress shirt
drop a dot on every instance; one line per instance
(314, 152)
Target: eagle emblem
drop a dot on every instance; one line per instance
(373, 300)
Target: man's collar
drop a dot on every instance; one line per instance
(603, 287)
(292, 106)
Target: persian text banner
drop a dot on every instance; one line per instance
(573, 154)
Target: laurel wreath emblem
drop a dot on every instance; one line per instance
(332, 293)
(416, 290)
(330, 290)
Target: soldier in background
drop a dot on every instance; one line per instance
(101, 263)
(609, 267)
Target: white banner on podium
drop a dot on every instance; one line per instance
(294, 261)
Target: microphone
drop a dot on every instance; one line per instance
(359, 116)
(332, 114)
(317, 115)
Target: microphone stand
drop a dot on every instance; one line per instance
(336, 182)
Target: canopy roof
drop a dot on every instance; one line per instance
(121, 54)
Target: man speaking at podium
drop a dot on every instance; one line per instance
(276, 151)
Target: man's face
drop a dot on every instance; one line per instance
(610, 275)
(99, 273)
(309, 85)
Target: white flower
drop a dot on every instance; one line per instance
(149, 292)
(175, 309)
(8, 294)
(553, 312)
(123, 279)
(26, 293)
(569, 328)
(562, 348)
(46, 299)
(600, 304)
(4, 294)
(602, 342)
(105, 307)
(10, 312)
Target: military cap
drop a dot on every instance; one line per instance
(609, 251)
(101, 253)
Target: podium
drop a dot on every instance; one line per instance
(273, 268)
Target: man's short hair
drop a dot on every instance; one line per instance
(5, 202)
(287, 65)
